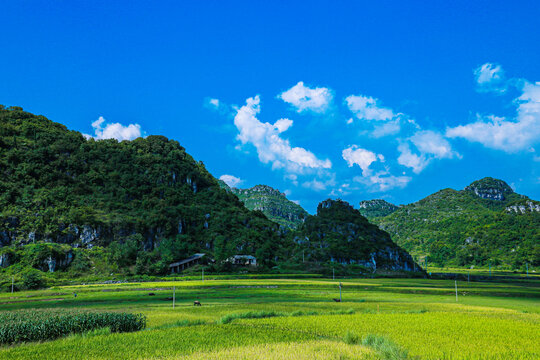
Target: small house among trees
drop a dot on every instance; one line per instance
(245, 260)
(186, 263)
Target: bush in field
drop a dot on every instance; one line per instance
(26, 326)
(32, 279)
(385, 348)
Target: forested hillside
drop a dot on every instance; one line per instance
(486, 223)
(273, 204)
(105, 205)
(339, 233)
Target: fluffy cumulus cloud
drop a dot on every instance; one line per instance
(368, 108)
(385, 120)
(271, 147)
(433, 143)
(361, 157)
(411, 160)
(509, 135)
(114, 130)
(430, 145)
(304, 98)
(490, 78)
(231, 180)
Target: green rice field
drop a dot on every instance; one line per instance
(265, 318)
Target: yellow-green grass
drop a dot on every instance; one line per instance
(491, 320)
(533, 273)
(309, 350)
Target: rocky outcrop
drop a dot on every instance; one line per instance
(5, 260)
(490, 188)
(272, 203)
(527, 206)
(376, 208)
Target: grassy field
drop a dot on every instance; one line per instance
(283, 318)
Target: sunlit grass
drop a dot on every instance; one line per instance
(491, 320)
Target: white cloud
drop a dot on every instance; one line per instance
(231, 180)
(430, 145)
(490, 78)
(214, 102)
(407, 158)
(293, 178)
(368, 108)
(383, 181)
(387, 128)
(114, 131)
(271, 148)
(306, 98)
(315, 185)
(361, 157)
(320, 185)
(513, 135)
(431, 142)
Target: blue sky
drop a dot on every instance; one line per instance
(356, 100)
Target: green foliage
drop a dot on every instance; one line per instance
(467, 228)
(272, 203)
(32, 279)
(339, 233)
(386, 348)
(248, 315)
(376, 208)
(24, 326)
(145, 202)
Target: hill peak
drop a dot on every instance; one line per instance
(376, 208)
(490, 188)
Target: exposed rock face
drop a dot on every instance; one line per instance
(340, 233)
(272, 203)
(87, 235)
(526, 206)
(376, 208)
(490, 188)
(4, 260)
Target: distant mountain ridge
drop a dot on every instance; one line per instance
(485, 223)
(272, 203)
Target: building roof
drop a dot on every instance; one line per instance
(250, 257)
(189, 259)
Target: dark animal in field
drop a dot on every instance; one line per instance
(196, 303)
(337, 300)
(151, 294)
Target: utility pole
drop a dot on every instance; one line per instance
(12, 281)
(173, 296)
(456, 289)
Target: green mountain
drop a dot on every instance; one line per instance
(273, 204)
(486, 223)
(132, 206)
(376, 208)
(339, 233)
